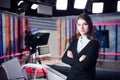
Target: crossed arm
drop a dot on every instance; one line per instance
(84, 61)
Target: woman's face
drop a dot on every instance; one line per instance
(83, 27)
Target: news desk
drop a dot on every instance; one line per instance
(58, 70)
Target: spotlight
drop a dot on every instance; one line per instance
(61, 4)
(20, 2)
(118, 6)
(97, 7)
(80, 4)
(34, 6)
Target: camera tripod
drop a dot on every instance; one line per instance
(36, 60)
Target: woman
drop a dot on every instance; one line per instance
(82, 52)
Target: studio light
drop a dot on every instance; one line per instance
(61, 4)
(97, 7)
(20, 2)
(34, 6)
(45, 9)
(118, 6)
(80, 4)
(22, 7)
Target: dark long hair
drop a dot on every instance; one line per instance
(91, 32)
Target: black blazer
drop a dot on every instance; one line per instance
(84, 70)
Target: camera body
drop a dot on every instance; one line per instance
(34, 40)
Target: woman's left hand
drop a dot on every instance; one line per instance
(82, 58)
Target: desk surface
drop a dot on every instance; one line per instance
(101, 65)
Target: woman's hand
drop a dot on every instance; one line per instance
(82, 58)
(69, 54)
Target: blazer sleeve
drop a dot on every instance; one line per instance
(91, 57)
(65, 58)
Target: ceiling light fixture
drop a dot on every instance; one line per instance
(20, 2)
(45, 9)
(97, 7)
(80, 4)
(118, 6)
(61, 4)
(34, 6)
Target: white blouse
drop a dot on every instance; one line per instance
(82, 42)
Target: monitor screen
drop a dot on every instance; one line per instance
(44, 49)
(103, 37)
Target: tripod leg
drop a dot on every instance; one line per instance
(39, 61)
(28, 58)
(45, 76)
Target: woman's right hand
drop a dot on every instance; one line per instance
(69, 54)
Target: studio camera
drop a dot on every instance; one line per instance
(34, 40)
